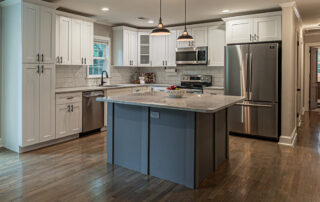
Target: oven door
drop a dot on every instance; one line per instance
(186, 56)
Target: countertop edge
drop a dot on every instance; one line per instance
(104, 99)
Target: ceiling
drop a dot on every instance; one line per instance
(127, 11)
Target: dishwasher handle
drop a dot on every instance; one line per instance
(96, 95)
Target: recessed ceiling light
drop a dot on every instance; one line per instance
(226, 11)
(105, 9)
(150, 21)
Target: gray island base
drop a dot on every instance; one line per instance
(180, 140)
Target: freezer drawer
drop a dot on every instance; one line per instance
(252, 118)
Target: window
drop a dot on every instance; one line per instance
(101, 57)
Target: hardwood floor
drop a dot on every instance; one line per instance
(77, 171)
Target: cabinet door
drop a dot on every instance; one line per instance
(57, 61)
(267, 28)
(133, 47)
(216, 44)
(87, 41)
(143, 49)
(183, 44)
(47, 35)
(62, 120)
(30, 33)
(200, 36)
(171, 41)
(76, 42)
(240, 31)
(47, 102)
(30, 105)
(158, 50)
(75, 119)
(126, 52)
(65, 40)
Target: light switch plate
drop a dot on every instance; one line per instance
(155, 115)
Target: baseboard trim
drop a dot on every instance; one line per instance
(49, 143)
(289, 141)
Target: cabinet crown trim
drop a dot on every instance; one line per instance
(269, 14)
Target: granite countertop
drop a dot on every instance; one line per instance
(190, 102)
(214, 88)
(116, 86)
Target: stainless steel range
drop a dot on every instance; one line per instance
(195, 83)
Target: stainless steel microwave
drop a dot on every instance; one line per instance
(192, 56)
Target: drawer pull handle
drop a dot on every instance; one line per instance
(70, 98)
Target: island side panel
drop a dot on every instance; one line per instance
(110, 133)
(131, 137)
(172, 145)
(220, 138)
(204, 146)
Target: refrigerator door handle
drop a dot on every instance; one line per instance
(254, 105)
(250, 83)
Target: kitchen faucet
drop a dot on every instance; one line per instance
(107, 76)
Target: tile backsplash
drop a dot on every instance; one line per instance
(76, 76)
(174, 78)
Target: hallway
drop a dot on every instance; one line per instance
(76, 171)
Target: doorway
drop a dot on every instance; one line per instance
(314, 95)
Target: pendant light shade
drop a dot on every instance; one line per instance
(185, 36)
(160, 30)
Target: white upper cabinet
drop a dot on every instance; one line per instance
(30, 34)
(163, 50)
(125, 46)
(216, 44)
(255, 28)
(64, 45)
(171, 41)
(200, 36)
(74, 41)
(87, 41)
(47, 35)
(158, 51)
(38, 34)
(267, 28)
(144, 49)
(239, 31)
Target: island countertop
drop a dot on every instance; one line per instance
(203, 103)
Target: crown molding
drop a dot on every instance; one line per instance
(288, 4)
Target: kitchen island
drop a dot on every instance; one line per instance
(182, 140)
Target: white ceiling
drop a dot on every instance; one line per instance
(127, 11)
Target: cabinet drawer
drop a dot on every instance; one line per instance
(119, 91)
(65, 98)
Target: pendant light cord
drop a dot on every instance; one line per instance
(160, 11)
(185, 14)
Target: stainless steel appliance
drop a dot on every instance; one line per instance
(92, 111)
(195, 83)
(192, 56)
(253, 71)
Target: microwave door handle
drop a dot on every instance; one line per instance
(197, 56)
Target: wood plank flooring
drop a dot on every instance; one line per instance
(77, 171)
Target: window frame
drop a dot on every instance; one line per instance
(101, 40)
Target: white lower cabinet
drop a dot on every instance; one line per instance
(38, 103)
(68, 114)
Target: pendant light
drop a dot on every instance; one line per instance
(185, 36)
(160, 30)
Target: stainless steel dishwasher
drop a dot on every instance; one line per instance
(92, 111)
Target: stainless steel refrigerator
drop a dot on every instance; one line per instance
(252, 70)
